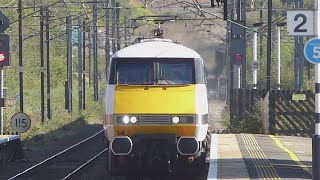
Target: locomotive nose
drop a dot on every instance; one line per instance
(121, 145)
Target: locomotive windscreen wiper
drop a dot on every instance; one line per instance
(162, 78)
(148, 80)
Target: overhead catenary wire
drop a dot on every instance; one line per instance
(35, 12)
(85, 12)
(208, 12)
(61, 24)
(55, 26)
(280, 19)
(203, 19)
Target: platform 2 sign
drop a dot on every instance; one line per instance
(300, 22)
(20, 122)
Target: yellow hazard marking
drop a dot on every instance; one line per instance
(292, 155)
(263, 166)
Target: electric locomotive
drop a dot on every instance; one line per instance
(156, 110)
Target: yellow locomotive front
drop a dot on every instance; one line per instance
(156, 110)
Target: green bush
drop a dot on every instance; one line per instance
(249, 123)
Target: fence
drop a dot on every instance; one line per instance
(242, 100)
(291, 113)
(283, 112)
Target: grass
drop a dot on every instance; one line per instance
(60, 116)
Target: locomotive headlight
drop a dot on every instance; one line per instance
(133, 119)
(175, 119)
(183, 119)
(126, 119)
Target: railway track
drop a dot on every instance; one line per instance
(76, 162)
(68, 163)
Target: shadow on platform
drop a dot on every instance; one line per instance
(258, 168)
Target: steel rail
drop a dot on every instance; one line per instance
(55, 156)
(84, 164)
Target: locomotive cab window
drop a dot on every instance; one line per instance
(155, 71)
(134, 73)
(176, 73)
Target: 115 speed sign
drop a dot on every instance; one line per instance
(20, 122)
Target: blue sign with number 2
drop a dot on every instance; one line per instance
(312, 50)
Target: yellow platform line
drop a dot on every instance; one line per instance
(268, 165)
(259, 160)
(256, 163)
(292, 155)
(264, 168)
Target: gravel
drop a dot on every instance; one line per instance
(215, 120)
(44, 148)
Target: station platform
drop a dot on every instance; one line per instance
(256, 156)
(10, 148)
(7, 138)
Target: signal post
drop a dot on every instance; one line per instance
(316, 55)
(4, 60)
(310, 27)
(307, 23)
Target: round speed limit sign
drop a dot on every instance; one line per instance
(20, 122)
(312, 50)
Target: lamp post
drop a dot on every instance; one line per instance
(279, 25)
(254, 53)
